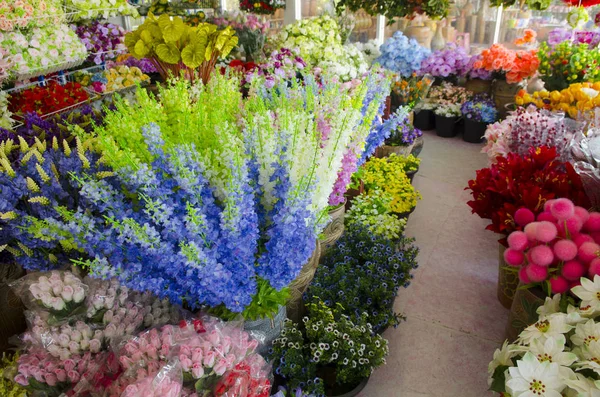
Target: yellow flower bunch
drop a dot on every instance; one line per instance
(389, 176)
(123, 76)
(578, 98)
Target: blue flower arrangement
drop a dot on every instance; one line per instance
(402, 55)
(404, 135)
(480, 109)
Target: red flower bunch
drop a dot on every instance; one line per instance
(51, 98)
(248, 378)
(261, 6)
(527, 181)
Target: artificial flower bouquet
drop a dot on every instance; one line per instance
(448, 94)
(282, 65)
(525, 181)
(557, 248)
(410, 91)
(560, 35)
(179, 49)
(449, 110)
(251, 30)
(389, 176)
(404, 135)
(370, 50)
(556, 356)
(568, 63)
(51, 98)
(320, 44)
(267, 7)
(363, 274)
(480, 109)
(304, 355)
(373, 212)
(402, 55)
(145, 65)
(512, 65)
(577, 100)
(450, 62)
(103, 40)
(16, 15)
(95, 9)
(111, 79)
(52, 47)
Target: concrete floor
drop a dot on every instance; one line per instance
(454, 320)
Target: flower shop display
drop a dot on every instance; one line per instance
(180, 49)
(112, 79)
(557, 248)
(22, 14)
(102, 8)
(103, 40)
(251, 31)
(282, 65)
(531, 127)
(397, 8)
(389, 176)
(409, 91)
(568, 63)
(447, 94)
(330, 354)
(373, 213)
(478, 113)
(555, 356)
(446, 119)
(578, 101)
(401, 140)
(320, 44)
(363, 273)
(267, 7)
(43, 50)
(479, 80)
(45, 100)
(145, 65)
(450, 62)
(402, 55)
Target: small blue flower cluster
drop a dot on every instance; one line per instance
(480, 109)
(405, 134)
(382, 130)
(402, 55)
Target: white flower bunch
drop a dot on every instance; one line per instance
(6, 121)
(370, 49)
(448, 110)
(105, 295)
(160, 312)
(74, 340)
(58, 292)
(125, 320)
(559, 355)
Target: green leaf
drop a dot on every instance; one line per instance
(171, 29)
(168, 53)
(193, 55)
(131, 39)
(499, 381)
(146, 36)
(140, 50)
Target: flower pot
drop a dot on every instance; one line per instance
(523, 311)
(267, 328)
(445, 126)
(333, 389)
(474, 131)
(12, 319)
(411, 175)
(405, 215)
(424, 120)
(422, 34)
(353, 193)
(387, 150)
(507, 280)
(334, 230)
(478, 86)
(351, 393)
(504, 94)
(295, 306)
(417, 146)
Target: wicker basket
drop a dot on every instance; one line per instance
(295, 306)
(335, 229)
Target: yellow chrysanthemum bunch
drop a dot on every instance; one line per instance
(578, 98)
(389, 175)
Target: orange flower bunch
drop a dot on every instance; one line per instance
(529, 37)
(515, 65)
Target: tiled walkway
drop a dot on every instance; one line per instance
(454, 320)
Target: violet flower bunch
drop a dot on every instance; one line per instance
(450, 61)
(404, 135)
(477, 73)
(103, 40)
(283, 65)
(558, 35)
(592, 39)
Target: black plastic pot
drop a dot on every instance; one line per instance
(446, 126)
(405, 215)
(354, 392)
(411, 175)
(424, 120)
(474, 131)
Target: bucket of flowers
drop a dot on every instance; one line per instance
(478, 113)
(446, 119)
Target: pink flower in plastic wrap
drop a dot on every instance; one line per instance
(209, 359)
(198, 370)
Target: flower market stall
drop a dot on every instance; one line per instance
(290, 198)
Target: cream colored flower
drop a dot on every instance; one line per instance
(532, 378)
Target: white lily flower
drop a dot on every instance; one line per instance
(550, 306)
(546, 327)
(532, 378)
(502, 356)
(584, 386)
(586, 332)
(553, 350)
(589, 353)
(589, 293)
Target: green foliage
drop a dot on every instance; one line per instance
(8, 370)
(373, 212)
(392, 9)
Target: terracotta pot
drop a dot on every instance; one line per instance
(504, 94)
(295, 306)
(445, 127)
(474, 131)
(523, 311)
(422, 34)
(478, 86)
(507, 280)
(335, 229)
